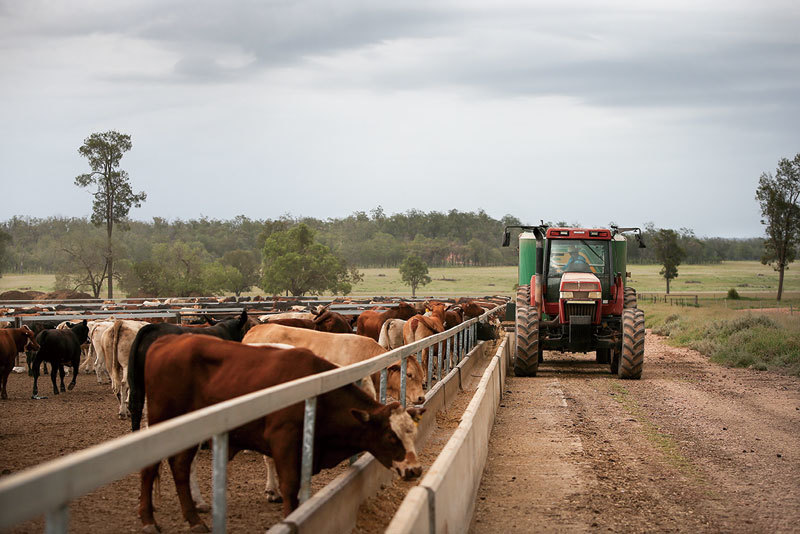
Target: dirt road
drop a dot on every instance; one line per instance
(690, 447)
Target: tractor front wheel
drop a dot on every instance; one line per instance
(632, 358)
(528, 354)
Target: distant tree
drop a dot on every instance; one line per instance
(5, 239)
(245, 272)
(293, 261)
(219, 278)
(668, 253)
(85, 267)
(778, 197)
(113, 198)
(414, 272)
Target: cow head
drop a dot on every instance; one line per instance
(414, 379)
(81, 331)
(393, 431)
(28, 342)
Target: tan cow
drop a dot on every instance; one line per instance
(344, 349)
(95, 359)
(116, 344)
(391, 335)
(286, 315)
(422, 326)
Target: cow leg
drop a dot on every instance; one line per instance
(34, 367)
(87, 366)
(148, 476)
(54, 369)
(3, 392)
(272, 490)
(200, 503)
(180, 464)
(100, 367)
(76, 362)
(285, 448)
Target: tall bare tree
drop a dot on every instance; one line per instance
(778, 197)
(114, 197)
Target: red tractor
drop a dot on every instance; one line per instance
(573, 297)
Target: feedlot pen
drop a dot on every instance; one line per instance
(34, 432)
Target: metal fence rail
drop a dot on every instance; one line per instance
(49, 488)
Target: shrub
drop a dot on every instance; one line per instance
(733, 294)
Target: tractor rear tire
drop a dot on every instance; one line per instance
(526, 362)
(523, 296)
(603, 356)
(631, 360)
(630, 298)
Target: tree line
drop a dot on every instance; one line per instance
(202, 256)
(44, 245)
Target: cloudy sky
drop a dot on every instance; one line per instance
(585, 111)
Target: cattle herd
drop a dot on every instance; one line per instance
(182, 368)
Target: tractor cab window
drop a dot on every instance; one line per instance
(578, 256)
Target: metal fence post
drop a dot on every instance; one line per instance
(57, 521)
(306, 468)
(429, 377)
(403, 371)
(384, 377)
(439, 361)
(447, 355)
(220, 483)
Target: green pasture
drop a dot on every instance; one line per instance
(27, 282)
(754, 282)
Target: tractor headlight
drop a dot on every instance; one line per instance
(566, 294)
(595, 294)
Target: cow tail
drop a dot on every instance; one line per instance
(136, 381)
(111, 350)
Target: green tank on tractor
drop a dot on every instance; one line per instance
(573, 296)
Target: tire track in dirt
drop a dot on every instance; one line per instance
(691, 447)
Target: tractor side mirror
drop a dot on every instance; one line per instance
(506, 238)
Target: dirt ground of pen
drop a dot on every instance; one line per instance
(691, 447)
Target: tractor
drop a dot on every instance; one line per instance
(573, 296)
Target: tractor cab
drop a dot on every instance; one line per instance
(572, 296)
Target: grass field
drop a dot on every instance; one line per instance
(753, 281)
(760, 339)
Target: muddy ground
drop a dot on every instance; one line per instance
(691, 447)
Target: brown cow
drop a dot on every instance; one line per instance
(369, 322)
(330, 321)
(344, 349)
(295, 323)
(187, 373)
(12, 342)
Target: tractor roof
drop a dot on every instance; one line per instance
(579, 233)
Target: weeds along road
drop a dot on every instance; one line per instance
(690, 447)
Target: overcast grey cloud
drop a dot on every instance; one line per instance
(586, 111)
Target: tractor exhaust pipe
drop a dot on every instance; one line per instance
(538, 293)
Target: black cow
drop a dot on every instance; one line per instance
(38, 326)
(59, 347)
(232, 329)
